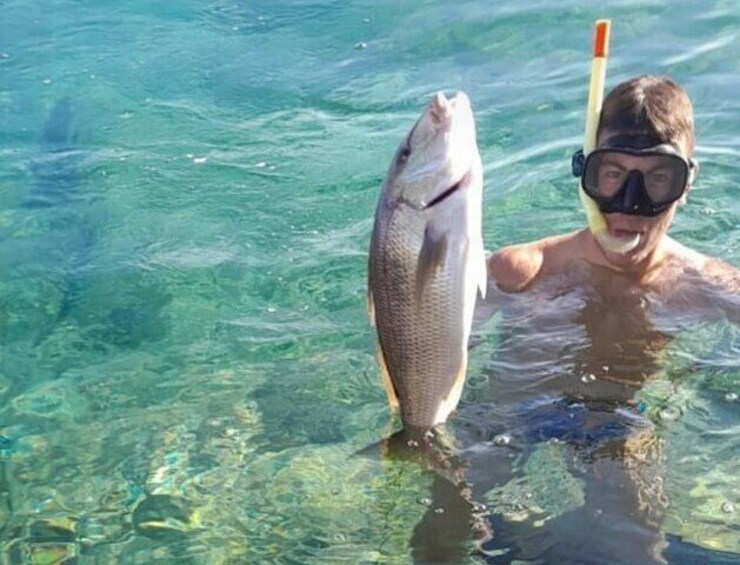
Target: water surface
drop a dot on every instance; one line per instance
(186, 368)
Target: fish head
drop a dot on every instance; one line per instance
(437, 154)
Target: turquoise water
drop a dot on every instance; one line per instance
(187, 372)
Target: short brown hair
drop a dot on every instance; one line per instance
(653, 105)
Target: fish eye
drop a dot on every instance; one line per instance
(405, 152)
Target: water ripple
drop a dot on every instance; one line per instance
(701, 49)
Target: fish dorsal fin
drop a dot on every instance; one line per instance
(431, 258)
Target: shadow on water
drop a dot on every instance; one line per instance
(564, 456)
(452, 518)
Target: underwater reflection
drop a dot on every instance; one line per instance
(559, 447)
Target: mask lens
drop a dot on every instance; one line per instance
(664, 176)
(603, 174)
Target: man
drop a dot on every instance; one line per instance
(586, 320)
(588, 316)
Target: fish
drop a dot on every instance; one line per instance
(55, 169)
(427, 263)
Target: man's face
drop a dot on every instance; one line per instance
(649, 230)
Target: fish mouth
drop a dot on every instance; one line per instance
(449, 192)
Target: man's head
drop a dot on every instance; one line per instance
(642, 166)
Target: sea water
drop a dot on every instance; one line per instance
(187, 373)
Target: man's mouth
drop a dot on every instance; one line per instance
(620, 229)
(621, 237)
(622, 233)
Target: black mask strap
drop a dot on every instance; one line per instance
(632, 141)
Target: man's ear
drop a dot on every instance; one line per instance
(693, 173)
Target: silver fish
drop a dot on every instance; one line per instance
(427, 262)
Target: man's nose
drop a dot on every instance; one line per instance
(632, 191)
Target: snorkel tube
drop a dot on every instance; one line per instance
(596, 220)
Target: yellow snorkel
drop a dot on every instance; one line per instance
(596, 220)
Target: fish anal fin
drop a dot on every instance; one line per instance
(448, 405)
(431, 258)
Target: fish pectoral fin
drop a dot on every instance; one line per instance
(431, 258)
(385, 377)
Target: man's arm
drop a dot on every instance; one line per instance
(517, 267)
(514, 268)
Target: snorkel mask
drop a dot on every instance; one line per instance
(638, 175)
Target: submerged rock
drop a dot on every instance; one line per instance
(545, 489)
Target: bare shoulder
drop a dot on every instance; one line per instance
(516, 267)
(710, 269)
(722, 274)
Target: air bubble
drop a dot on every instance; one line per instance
(502, 440)
(669, 414)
